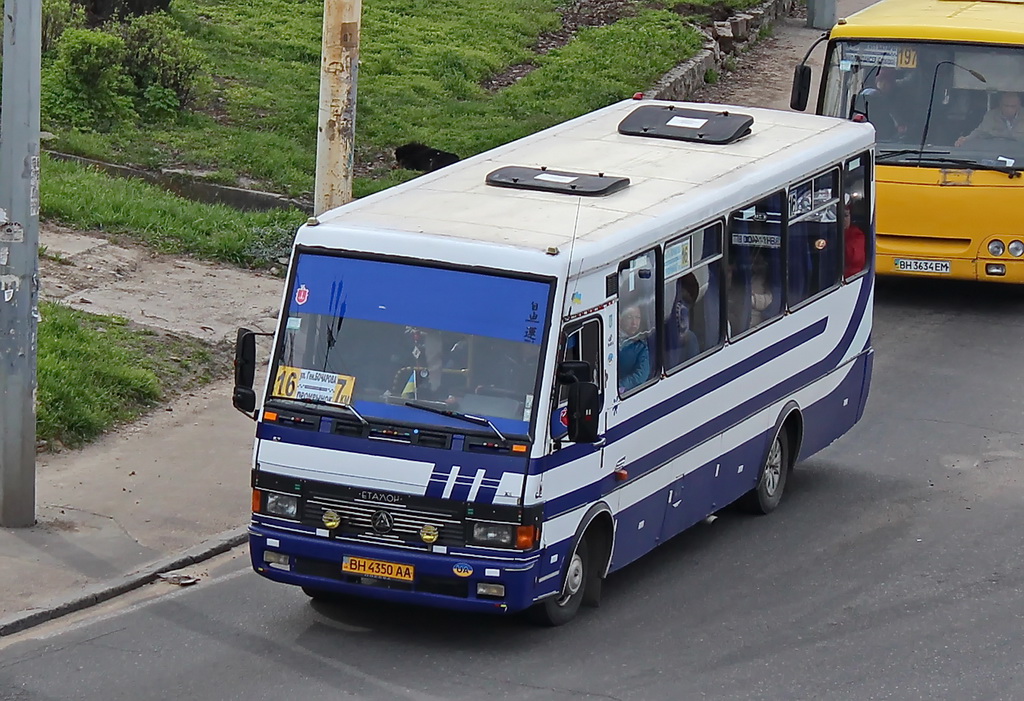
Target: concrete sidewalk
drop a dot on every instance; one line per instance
(164, 492)
(174, 488)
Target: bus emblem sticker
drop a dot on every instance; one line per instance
(462, 569)
(301, 294)
(382, 522)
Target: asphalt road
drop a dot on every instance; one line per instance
(891, 570)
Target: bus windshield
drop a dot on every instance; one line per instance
(938, 103)
(389, 338)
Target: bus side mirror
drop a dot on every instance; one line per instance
(583, 410)
(801, 87)
(243, 397)
(570, 371)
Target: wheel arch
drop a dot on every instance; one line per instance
(790, 420)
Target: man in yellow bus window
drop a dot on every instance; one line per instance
(1005, 121)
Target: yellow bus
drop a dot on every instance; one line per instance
(942, 82)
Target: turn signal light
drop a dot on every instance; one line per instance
(527, 537)
(270, 416)
(256, 501)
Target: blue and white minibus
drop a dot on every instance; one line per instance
(495, 384)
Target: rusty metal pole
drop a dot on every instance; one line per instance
(337, 115)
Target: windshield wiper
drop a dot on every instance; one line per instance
(1012, 171)
(478, 420)
(884, 154)
(313, 402)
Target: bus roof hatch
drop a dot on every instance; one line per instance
(562, 181)
(684, 124)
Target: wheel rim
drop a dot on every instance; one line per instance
(773, 469)
(573, 579)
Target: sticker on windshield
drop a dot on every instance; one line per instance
(907, 58)
(875, 54)
(313, 385)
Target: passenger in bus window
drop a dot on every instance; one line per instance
(883, 107)
(761, 296)
(634, 357)
(854, 238)
(1004, 121)
(681, 342)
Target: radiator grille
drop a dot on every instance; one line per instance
(357, 520)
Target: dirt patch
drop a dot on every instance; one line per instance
(86, 271)
(714, 13)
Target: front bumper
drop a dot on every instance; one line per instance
(315, 562)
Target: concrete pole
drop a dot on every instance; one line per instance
(339, 66)
(821, 14)
(19, 260)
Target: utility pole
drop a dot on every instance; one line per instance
(336, 127)
(19, 260)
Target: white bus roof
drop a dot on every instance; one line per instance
(665, 176)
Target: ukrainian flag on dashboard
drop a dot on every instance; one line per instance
(410, 386)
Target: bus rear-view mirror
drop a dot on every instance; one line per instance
(583, 410)
(801, 87)
(243, 397)
(570, 371)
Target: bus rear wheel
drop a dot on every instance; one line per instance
(559, 610)
(765, 497)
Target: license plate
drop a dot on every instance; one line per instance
(377, 568)
(909, 265)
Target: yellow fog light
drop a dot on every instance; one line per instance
(429, 534)
(331, 519)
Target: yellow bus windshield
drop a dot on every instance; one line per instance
(932, 103)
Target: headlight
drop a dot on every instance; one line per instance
(500, 534)
(1016, 249)
(996, 247)
(282, 505)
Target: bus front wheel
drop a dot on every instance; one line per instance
(765, 497)
(561, 609)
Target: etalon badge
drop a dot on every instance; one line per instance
(429, 534)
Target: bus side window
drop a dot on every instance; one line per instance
(856, 215)
(754, 268)
(691, 301)
(638, 322)
(582, 341)
(815, 250)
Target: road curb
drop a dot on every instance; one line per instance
(103, 591)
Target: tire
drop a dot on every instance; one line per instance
(559, 610)
(771, 483)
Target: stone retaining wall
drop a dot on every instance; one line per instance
(724, 39)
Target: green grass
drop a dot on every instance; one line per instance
(85, 198)
(422, 66)
(95, 372)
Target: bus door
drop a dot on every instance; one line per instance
(579, 467)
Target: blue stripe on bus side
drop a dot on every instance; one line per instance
(657, 517)
(663, 454)
(821, 368)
